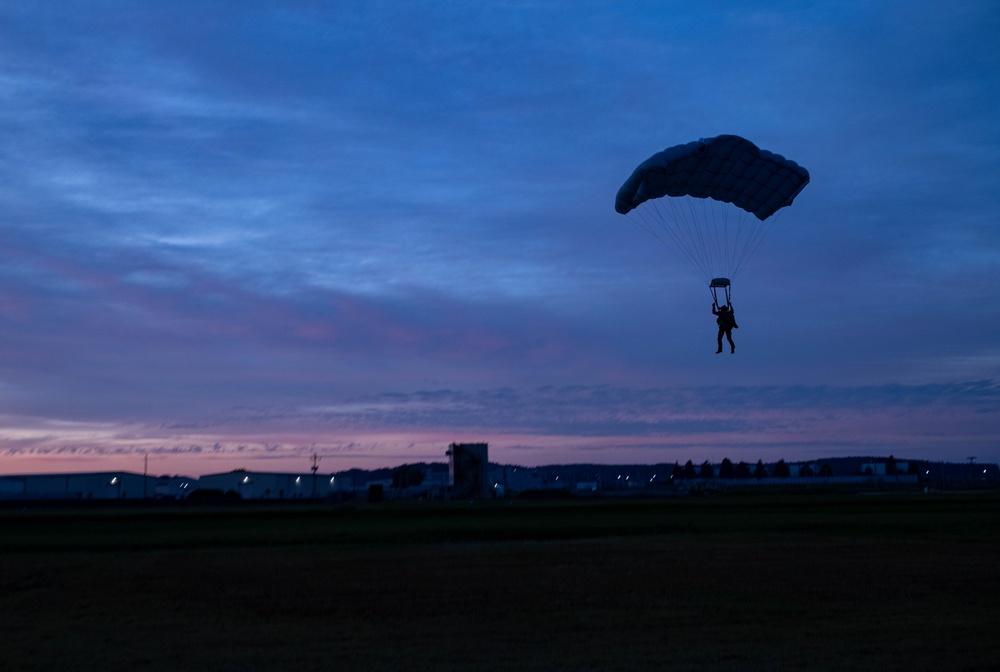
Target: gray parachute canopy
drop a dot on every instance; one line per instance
(725, 168)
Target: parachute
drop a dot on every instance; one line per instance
(697, 199)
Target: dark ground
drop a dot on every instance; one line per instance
(897, 581)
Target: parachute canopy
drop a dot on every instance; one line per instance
(685, 197)
(726, 168)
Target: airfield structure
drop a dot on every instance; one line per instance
(468, 474)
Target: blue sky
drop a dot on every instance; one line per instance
(234, 234)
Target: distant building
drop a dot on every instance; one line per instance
(174, 487)
(508, 480)
(468, 470)
(103, 485)
(883, 468)
(803, 469)
(263, 485)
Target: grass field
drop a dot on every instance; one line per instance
(752, 582)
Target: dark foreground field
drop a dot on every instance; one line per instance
(804, 582)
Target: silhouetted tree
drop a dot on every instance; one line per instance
(726, 469)
(407, 475)
(781, 470)
(890, 466)
(706, 470)
(760, 471)
(689, 471)
(677, 473)
(913, 468)
(743, 470)
(806, 470)
(826, 470)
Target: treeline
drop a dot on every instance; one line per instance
(780, 469)
(744, 470)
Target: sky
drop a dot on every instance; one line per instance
(240, 234)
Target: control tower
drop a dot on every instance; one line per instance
(468, 470)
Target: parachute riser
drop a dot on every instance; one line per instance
(724, 285)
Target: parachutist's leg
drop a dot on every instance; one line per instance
(729, 337)
(721, 331)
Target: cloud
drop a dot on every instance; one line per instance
(547, 425)
(614, 410)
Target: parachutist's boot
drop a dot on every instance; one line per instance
(733, 351)
(719, 351)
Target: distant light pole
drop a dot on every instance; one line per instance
(315, 468)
